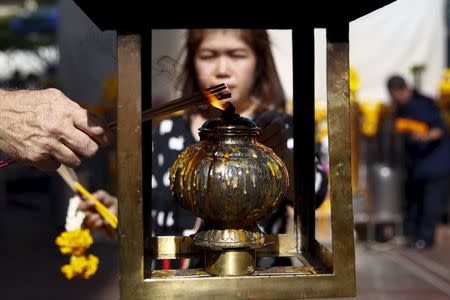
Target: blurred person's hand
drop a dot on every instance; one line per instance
(44, 128)
(93, 219)
(432, 135)
(273, 131)
(419, 137)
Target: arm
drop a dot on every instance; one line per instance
(437, 126)
(44, 128)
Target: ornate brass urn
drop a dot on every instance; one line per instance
(229, 180)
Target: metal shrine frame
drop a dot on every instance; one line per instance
(333, 272)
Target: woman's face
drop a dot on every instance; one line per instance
(224, 57)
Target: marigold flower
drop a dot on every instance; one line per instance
(81, 266)
(74, 242)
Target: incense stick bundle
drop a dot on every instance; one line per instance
(71, 178)
(218, 92)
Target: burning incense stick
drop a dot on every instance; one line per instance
(208, 96)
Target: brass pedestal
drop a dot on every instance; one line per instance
(218, 239)
(232, 262)
(229, 252)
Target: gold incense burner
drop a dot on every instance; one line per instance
(229, 180)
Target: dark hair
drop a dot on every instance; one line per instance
(267, 86)
(396, 82)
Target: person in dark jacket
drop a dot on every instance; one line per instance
(427, 160)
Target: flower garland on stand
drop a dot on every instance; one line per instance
(74, 242)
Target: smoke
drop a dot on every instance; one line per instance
(165, 72)
(165, 68)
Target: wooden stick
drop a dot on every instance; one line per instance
(62, 171)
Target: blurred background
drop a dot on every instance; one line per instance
(51, 43)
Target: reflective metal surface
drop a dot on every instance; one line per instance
(314, 278)
(340, 167)
(129, 156)
(234, 262)
(171, 247)
(229, 238)
(230, 181)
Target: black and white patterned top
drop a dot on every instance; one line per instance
(171, 137)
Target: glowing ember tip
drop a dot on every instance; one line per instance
(215, 101)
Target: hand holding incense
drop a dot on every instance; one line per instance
(212, 95)
(69, 176)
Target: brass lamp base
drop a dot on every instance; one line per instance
(229, 252)
(218, 239)
(233, 262)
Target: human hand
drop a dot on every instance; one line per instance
(273, 131)
(93, 219)
(419, 137)
(431, 135)
(44, 128)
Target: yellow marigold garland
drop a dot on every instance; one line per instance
(74, 242)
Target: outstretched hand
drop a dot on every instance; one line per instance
(45, 129)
